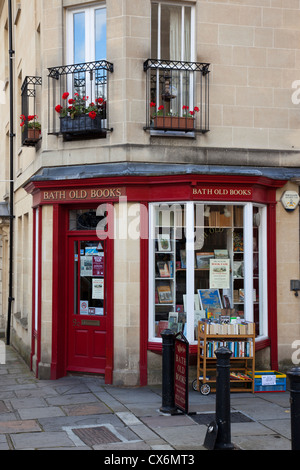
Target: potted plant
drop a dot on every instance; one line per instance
(170, 121)
(78, 116)
(32, 126)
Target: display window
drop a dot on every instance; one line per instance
(206, 259)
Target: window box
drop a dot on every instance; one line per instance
(81, 124)
(174, 123)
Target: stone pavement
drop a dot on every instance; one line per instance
(82, 413)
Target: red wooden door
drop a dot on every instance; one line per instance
(87, 305)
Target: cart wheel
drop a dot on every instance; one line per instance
(194, 385)
(205, 389)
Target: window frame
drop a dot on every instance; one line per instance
(189, 228)
(192, 32)
(90, 42)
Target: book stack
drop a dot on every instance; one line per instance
(240, 349)
(242, 328)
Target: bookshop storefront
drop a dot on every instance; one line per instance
(198, 244)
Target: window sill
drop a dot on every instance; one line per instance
(169, 133)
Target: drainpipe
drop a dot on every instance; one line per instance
(11, 156)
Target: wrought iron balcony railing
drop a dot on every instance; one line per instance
(30, 123)
(78, 103)
(177, 96)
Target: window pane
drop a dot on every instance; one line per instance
(83, 219)
(154, 31)
(170, 35)
(100, 34)
(79, 37)
(169, 269)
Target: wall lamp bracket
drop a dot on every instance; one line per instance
(295, 286)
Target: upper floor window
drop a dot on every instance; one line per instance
(172, 32)
(86, 34)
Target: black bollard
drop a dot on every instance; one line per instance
(223, 440)
(168, 395)
(294, 377)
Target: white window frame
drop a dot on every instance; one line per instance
(193, 30)
(190, 278)
(192, 97)
(89, 28)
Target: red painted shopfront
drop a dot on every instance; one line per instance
(83, 259)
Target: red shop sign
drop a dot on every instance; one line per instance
(222, 192)
(181, 373)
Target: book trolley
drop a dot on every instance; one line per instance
(237, 337)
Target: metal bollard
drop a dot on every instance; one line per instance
(168, 395)
(294, 377)
(223, 440)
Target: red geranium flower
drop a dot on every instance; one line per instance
(58, 108)
(92, 114)
(152, 104)
(65, 95)
(161, 107)
(196, 109)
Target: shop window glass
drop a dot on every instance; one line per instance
(206, 261)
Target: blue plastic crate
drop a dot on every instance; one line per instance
(262, 379)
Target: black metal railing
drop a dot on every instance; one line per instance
(78, 101)
(29, 119)
(177, 96)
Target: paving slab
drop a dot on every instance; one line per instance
(188, 436)
(72, 399)
(37, 413)
(30, 426)
(266, 442)
(168, 421)
(40, 440)
(86, 409)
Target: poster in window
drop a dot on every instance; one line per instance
(98, 265)
(86, 266)
(219, 274)
(98, 288)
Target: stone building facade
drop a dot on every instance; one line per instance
(236, 66)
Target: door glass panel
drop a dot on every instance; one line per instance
(100, 34)
(89, 278)
(79, 37)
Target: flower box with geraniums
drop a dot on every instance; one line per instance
(169, 121)
(31, 129)
(79, 117)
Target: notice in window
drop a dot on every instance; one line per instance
(219, 274)
(98, 289)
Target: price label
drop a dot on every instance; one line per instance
(268, 379)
